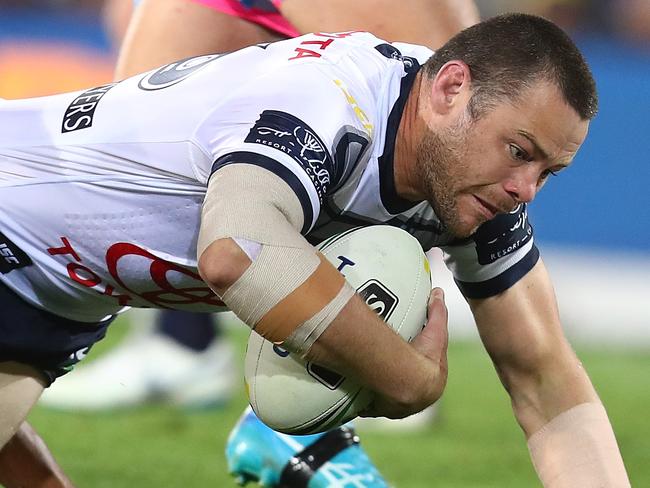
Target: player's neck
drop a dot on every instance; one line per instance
(410, 127)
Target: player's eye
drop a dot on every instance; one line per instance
(546, 173)
(518, 153)
(544, 176)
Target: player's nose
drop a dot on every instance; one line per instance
(523, 185)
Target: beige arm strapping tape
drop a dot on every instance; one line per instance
(240, 197)
(262, 286)
(303, 337)
(577, 449)
(289, 294)
(294, 316)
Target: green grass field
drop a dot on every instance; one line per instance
(476, 442)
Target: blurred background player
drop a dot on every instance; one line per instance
(183, 357)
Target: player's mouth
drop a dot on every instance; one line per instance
(487, 209)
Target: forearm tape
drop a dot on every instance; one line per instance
(290, 293)
(286, 299)
(304, 336)
(578, 449)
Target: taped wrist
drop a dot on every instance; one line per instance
(578, 449)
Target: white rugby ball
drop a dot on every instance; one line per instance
(389, 269)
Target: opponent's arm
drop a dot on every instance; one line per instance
(25, 461)
(427, 22)
(569, 435)
(253, 256)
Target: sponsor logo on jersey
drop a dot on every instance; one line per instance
(292, 136)
(172, 285)
(313, 44)
(391, 52)
(503, 235)
(79, 114)
(175, 72)
(11, 256)
(138, 272)
(379, 298)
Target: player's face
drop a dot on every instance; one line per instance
(473, 170)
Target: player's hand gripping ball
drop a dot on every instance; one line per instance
(389, 269)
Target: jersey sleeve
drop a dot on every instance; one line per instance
(498, 255)
(294, 122)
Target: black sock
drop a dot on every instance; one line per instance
(191, 329)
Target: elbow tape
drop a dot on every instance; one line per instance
(292, 307)
(290, 293)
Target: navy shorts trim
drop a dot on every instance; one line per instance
(47, 342)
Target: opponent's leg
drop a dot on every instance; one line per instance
(24, 458)
(427, 22)
(20, 388)
(257, 453)
(162, 31)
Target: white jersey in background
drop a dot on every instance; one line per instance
(101, 190)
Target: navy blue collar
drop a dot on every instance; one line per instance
(387, 192)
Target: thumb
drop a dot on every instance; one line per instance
(432, 341)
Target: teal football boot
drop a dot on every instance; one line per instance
(333, 459)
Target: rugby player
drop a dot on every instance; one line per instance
(232, 166)
(188, 344)
(184, 342)
(164, 31)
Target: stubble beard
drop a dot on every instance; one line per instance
(440, 164)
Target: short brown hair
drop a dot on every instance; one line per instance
(510, 52)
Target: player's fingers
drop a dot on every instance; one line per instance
(432, 341)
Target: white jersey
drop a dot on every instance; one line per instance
(101, 190)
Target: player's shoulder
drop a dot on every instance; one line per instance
(413, 51)
(364, 48)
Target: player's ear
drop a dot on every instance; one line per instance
(451, 86)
